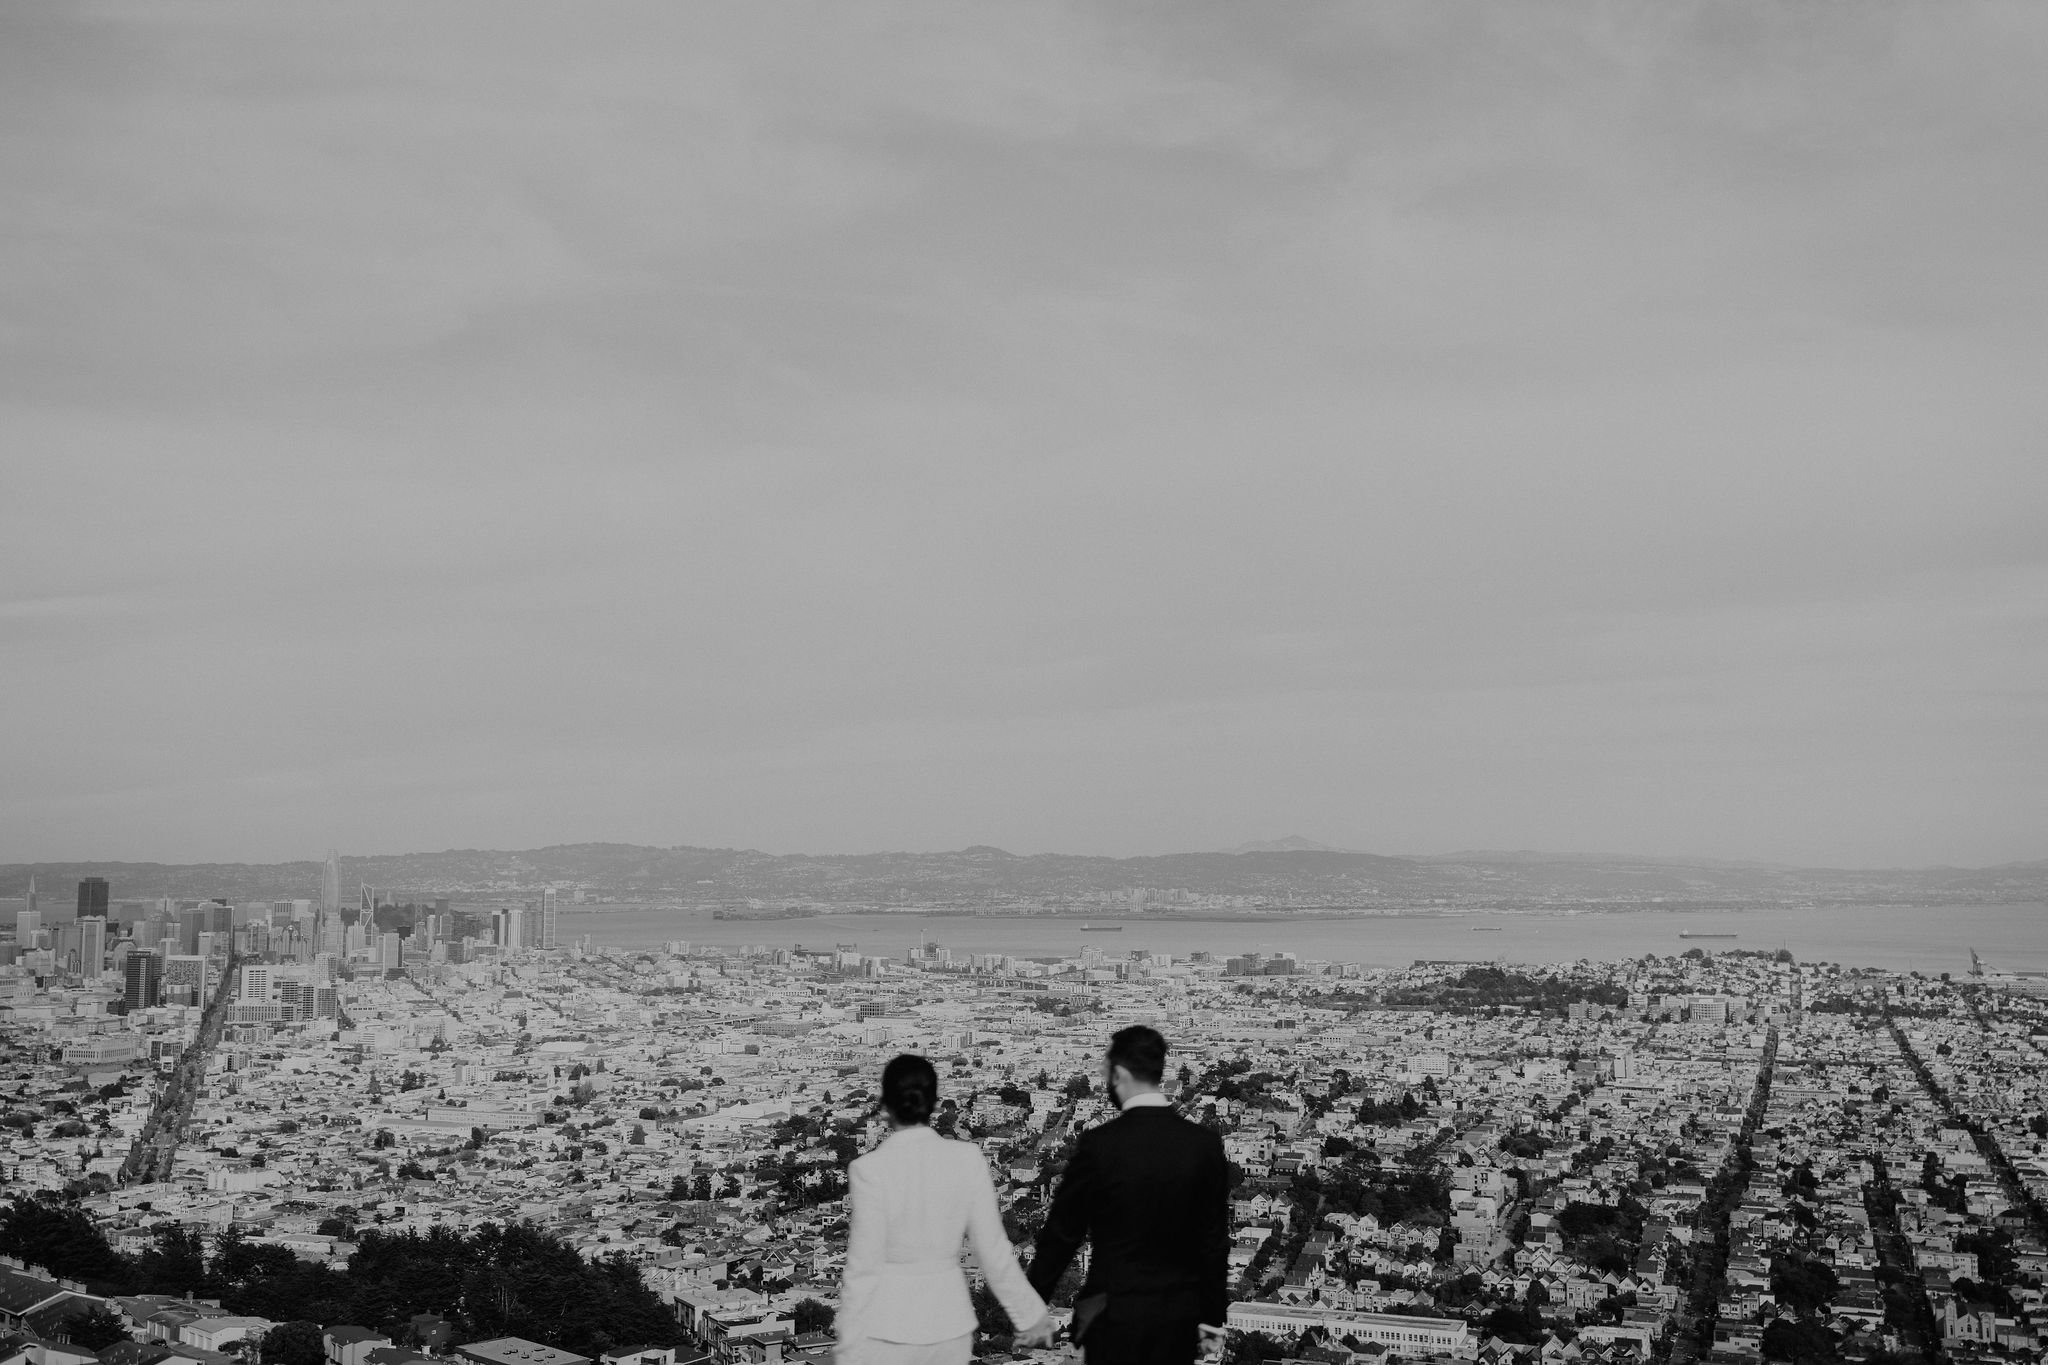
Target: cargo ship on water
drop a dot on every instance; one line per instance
(1688, 933)
(1102, 928)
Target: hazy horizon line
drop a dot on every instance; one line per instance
(1473, 853)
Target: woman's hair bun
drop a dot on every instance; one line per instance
(910, 1089)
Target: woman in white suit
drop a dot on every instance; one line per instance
(913, 1200)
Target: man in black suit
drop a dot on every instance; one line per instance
(1151, 1192)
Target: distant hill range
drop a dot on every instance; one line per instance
(1285, 874)
(1293, 843)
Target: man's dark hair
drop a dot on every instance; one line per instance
(1140, 1051)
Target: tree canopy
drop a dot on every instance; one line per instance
(514, 1280)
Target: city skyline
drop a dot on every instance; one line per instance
(1702, 1145)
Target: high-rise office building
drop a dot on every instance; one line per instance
(330, 882)
(92, 898)
(302, 999)
(220, 917)
(547, 917)
(186, 978)
(389, 952)
(256, 983)
(254, 939)
(30, 903)
(27, 924)
(92, 948)
(142, 979)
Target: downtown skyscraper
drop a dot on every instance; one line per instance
(93, 893)
(92, 947)
(142, 980)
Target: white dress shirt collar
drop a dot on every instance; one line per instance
(1151, 1099)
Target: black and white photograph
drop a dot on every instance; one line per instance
(901, 683)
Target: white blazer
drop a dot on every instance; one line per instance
(912, 1201)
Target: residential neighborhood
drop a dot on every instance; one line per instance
(1728, 1156)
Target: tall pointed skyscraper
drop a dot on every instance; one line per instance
(330, 883)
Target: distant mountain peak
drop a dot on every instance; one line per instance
(1293, 843)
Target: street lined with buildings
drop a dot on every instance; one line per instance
(1727, 1156)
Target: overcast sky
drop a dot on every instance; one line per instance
(1111, 429)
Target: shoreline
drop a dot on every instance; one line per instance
(1300, 915)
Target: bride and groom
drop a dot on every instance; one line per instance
(1148, 1191)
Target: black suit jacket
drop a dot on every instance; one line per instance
(1152, 1191)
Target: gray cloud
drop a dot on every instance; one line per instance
(1418, 427)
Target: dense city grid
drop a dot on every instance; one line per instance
(373, 1148)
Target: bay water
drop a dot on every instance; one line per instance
(1925, 938)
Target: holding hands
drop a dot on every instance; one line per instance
(1039, 1334)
